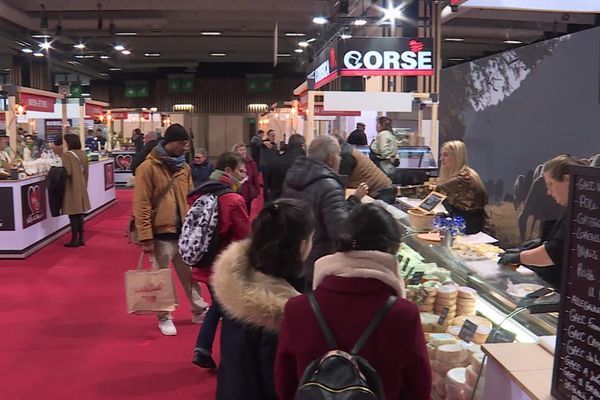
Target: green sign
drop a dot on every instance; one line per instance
(181, 84)
(259, 85)
(187, 85)
(75, 90)
(132, 92)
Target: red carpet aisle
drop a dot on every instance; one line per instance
(66, 335)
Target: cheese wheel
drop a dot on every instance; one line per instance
(455, 382)
(451, 353)
(479, 321)
(466, 302)
(429, 300)
(426, 308)
(464, 308)
(471, 376)
(440, 308)
(440, 339)
(476, 360)
(444, 302)
(430, 277)
(431, 351)
(481, 334)
(430, 322)
(453, 330)
(447, 292)
(466, 292)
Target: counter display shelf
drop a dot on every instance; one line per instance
(26, 223)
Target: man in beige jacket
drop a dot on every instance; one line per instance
(160, 206)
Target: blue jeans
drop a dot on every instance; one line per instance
(206, 336)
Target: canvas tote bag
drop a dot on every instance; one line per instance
(149, 291)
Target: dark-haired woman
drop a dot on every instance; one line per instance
(252, 281)
(384, 147)
(76, 201)
(351, 286)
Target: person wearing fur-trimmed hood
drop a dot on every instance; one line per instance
(252, 280)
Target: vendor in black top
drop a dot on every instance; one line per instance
(546, 258)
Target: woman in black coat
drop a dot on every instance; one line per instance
(251, 280)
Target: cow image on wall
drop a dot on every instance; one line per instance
(33, 203)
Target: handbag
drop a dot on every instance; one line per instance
(132, 233)
(149, 291)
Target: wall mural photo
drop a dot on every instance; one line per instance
(518, 109)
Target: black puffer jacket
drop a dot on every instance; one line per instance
(317, 184)
(279, 168)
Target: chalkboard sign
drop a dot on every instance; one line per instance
(576, 373)
(430, 202)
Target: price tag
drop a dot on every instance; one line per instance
(443, 315)
(416, 278)
(467, 331)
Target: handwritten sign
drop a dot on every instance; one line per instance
(576, 373)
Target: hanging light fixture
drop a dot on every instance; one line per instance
(112, 28)
(44, 21)
(100, 20)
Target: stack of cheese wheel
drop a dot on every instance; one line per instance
(446, 298)
(484, 327)
(474, 369)
(467, 301)
(426, 296)
(456, 387)
(430, 323)
(447, 357)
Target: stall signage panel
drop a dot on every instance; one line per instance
(93, 110)
(123, 162)
(319, 111)
(33, 203)
(576, 373)
(386, 56)
(325, 67)
(7, 211)
(53, 128)
(119, 115)
(36, 102)
(2, 116)
(109, 176)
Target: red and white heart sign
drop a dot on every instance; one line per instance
(33, 198)
(124, 161)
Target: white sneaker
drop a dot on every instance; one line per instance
(167, 327)
(199, 318)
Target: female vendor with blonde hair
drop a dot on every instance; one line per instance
(463, 186)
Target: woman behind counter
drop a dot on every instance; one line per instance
(76, 200)
(384, 147)
(463, 186)
(546, 258)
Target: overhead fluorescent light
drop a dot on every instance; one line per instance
(311, 40)
(299, 50)
(218, 54)
(85, 95)
(283, 55)
(126, 52)
(26, 50)
(126, 33)
(295, 34)
(345, 36)
(211, 33)
(450, 39)
(360, 22)
(152, 54)
(456, 59)
(38, 54)
(183, 107)
(119, 47)
(84, 56)
(319, 20)
(513, 42)
(74, 62)
(105, 57)
(45, 46)
(115, 69)
(303, 44)
(40, 36)
(79, 46)
(103, 74)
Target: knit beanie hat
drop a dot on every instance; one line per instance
(174, 133)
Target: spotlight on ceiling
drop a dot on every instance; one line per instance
(360, 22)
(105, 57)
(513, 42)
(319, 20)
(45, 45)
(346, 35)
(211, 33)
(298, 50)
(303, 44)
(119, 47)
(26, 50)
(38, 54)
(295, 34)
(151, 54)
(218, 54)
(126, 52)
(79, 46)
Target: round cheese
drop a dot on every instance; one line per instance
(453, 330)
(471, 376)
(476, 360)
(479, 321)
(455, 382)
(447, 292)
(466, 302)
(430, 322)
(451, 353)
(440, 308)
(481, 334)
(466, 292)
(429, 300)
(426, 308)
(440, 339)
(444, 302)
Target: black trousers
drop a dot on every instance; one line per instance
(76, 222)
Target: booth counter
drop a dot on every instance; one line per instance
(26, 223)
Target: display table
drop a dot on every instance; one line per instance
(123, 163)
(26, 223)
(517, 371)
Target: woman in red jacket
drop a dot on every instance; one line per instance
(351, 285)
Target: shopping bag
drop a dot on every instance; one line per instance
(149, 291)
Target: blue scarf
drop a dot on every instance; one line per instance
(174, 164)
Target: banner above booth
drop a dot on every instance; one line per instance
(37, 102)
(93, 110)
(373, 57)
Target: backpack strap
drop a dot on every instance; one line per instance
(322, 323)
(373, 325)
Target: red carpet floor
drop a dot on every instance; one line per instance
(65, 333)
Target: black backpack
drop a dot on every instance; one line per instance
(339, 375)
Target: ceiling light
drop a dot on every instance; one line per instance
(126, 52)
(126, 33)
(74, 62)
(513, 42)
(103, 74)
(311, 40)
(218, 54)
(40, 36)
(84, 56)
(360, 22)
(283, 55)
(449, 39)
(295, 34)
(85, 95)
(115, 69)
(319, 20)
(211, 33)
(45, 45)
(345, 36)
(105, 57)
(38, 54)
(27, 50)
(299, 50)
(392, 13)
(456, 59)
(79, 46)
(119, 47)
(303, 44)
(152, 54)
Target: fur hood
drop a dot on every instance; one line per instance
(247, 295)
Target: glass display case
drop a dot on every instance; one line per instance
(499, 288)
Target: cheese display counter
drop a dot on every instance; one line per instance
(26, 223)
